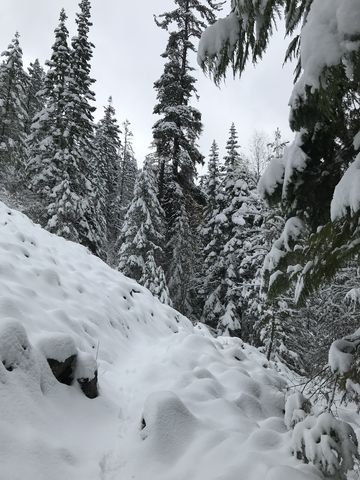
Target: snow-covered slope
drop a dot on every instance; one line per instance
(174, 403)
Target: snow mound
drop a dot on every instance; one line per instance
(173, 402)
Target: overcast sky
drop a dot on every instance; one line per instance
(127, 62)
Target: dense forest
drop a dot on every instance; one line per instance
(263, 244)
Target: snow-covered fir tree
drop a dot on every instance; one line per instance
(92, 226)
(153, 279)
(231, 251)
(175, 136)
(108, 150)
(128, 171)
(142, 236)
(35, 100)
(48, 141)
(212, 240)
(13, 84)
(180, 246)
(63, 161)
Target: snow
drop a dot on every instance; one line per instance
(272, 177)
(347, 192)
(296, 408)
(325, 441)
(280, 171)
(333, 27)
(174, 402)
(57, 346)
(223, 33)
(342, 351)
(86, 366)
(293, 229)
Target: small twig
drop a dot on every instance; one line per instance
(333, 394)
(97, 350)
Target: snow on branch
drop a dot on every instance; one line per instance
(223, 34)
(342, 353)
(333, 26)
(347, 192)
(281, 170)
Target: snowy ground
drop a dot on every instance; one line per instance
(175, 403)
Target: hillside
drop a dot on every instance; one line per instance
(173, 402)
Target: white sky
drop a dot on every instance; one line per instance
(127, 62)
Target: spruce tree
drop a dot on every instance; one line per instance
(325, 117)
(180, 246)
(63, 162)
(128, 171)
(175, 136)
(48, 140)
(35, 99)
(13, 84)
(212, 241)
(141, 253)
(108, 149)
(231, 252)
(92, 225)
(153, 279)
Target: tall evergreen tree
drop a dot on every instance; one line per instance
(175, 136)
(211, 240)
(48, 141)
(108, 147)
(35, 99)
(180, 246)
(13, 84)
(231, 251)
(62, 163)
(92, 227)
(128, 171)
(312, 180)
(141, 254)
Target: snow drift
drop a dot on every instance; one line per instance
(173, 402)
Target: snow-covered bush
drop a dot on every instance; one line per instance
(344, 359)
(330, 444)
(297, 407)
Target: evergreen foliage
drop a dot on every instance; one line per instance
(230, 234)
(128, 172)
(13, 84)
(62, 164)
(142, 237)
(35, 100)
(324, 114)
(108, 148)
(175, 137)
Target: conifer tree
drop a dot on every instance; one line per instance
(13, 83)
(175, 136)
(35, 100)
(108, 148)
(92, 227)
(128, 171)
(231, 253)
(62, 162)
(154, 279)
(141, 254)
(180, 247)
(311, 179)
(48, 141)
(212, 240)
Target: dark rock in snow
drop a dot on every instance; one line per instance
(89, 386)
(63, 371)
